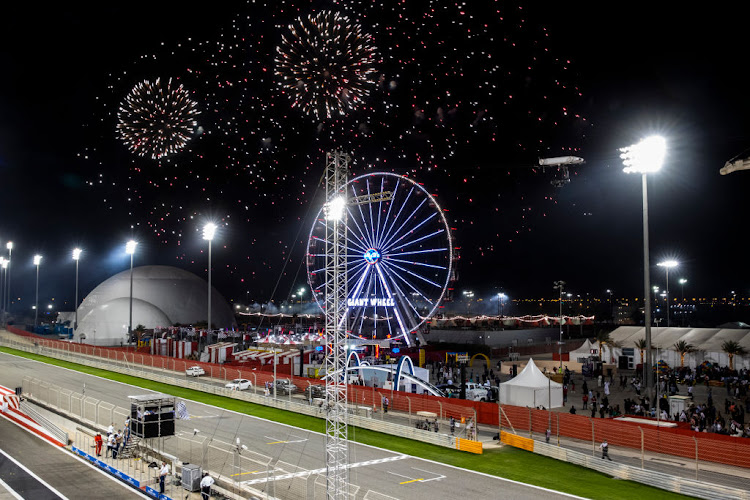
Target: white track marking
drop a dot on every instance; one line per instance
(306, 473)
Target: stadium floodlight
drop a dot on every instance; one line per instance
(644, 158)
(667, 265)
(37, 262)
(209, 231)
(76, 257)
(334, 209)
(130, 250)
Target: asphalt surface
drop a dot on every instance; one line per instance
(394, 474)
(47, 472)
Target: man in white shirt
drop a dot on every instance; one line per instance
(162, 476)
(206, 484)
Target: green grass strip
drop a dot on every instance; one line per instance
(506, 462)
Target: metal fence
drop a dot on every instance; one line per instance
(656, 479)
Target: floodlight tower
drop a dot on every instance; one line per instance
(76, 257)
(37, 262)
(209, 230)
(337, 445)
(644, 158)
(130, 250)
(9, 246)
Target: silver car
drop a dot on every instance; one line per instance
(239, 384)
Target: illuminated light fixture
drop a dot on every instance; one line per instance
(130, 247)
(9, 245)
(334, 209)
(645, 157)
(209, 230)
(77, 253)
(37, 260)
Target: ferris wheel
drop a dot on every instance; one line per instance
(399, 256)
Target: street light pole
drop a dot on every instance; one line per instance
(682, 301)
(130, 249)
(645, 157)
(37, 261)
(559, 285)
(9, 246)
(76, 256)
(667, 264)
(209, 230)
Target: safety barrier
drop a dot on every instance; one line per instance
(469, 445)
(660, 480)
(54, 430)
(517, 441)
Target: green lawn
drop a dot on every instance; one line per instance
(507, 462)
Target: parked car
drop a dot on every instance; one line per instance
(315, 391)
(239, 384)
(476, 392)
(195, 371)
(285, 386)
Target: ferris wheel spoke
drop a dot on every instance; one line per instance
(411, 231)
(357, 290)
(396, 312)
(387, 243)
(415, 275)
(414, 263)
(410, 285)
(378, 228)
(407, 313)
(388, 214)
(421, 238)
(401, 291)
(398, 215)
(373, 233)
(362, 236)
(415, 252)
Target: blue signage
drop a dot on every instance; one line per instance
(372, 256)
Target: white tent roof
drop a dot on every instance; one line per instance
(702, 339)
(531, 376)
(584, 350)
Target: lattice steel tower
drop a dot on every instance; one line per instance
(337, 444)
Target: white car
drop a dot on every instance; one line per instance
(195, 371)
(239, 384)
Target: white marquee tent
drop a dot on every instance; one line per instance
(531, 388)
(610, 354)
(706, 341)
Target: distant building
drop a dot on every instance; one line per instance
(162, 296)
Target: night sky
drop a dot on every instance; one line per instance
(465, 97)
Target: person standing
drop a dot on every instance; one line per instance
(547, 435)
(385, 404)
(162, 476)
(605, 450)
(453, 425)
(118, 443)
(98, 442)
(206, 484)
(110, 444)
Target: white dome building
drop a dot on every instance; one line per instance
(162, 296)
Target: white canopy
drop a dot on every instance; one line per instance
(706, 341)
(584, 351)
(531, 388)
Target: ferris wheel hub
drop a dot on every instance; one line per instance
(372, 256)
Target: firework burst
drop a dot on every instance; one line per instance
(157, 120)
(326, 64)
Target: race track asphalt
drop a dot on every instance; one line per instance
(390, 473)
